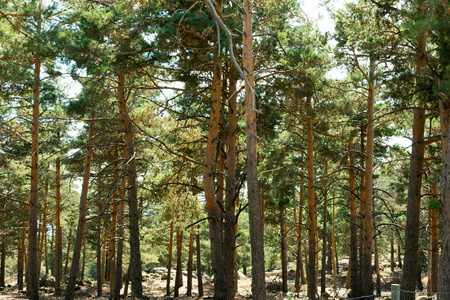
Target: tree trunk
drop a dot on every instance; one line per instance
(169, 260)
(284, 270)
(392, 257)
(46, 253)
(3, 261)
(112, 232)
(354, 271)
(324, 239)
(84, 255)
(70, 289)
(333, 248)
(399, 253)
(255, 215)
(120, 233)
(377, 264)
(299, 273)
(367, 230)
(52, 266)
(434, 214)
(104, 269)
(135, 252)
(32, 262)
(190, 263)
(43, 230)
(179, 274)
(21, 253)
(99, 244)
(215, 229)
(408, 282)
(312, 217)
(444, 264)
(199, 268)
(58, 229)
(230, 202)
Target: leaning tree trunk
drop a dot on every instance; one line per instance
(444, 263)
(215, 229)
(70, 289)
(413, 208)
(354, 271)
(312, 217)
(255, 215)
(135, 252)
(32, 262)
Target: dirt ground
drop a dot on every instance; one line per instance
(154, 287)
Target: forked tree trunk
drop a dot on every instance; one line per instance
(215, 229)
(312, 217)
(32, 261)
(255, 214)
(179, 274)
(229, 246)
(81, 227)
(410, 265)
(199, 267)
(354, 271)
(283, 233)
(444, 263)
(190, 264)
(135, 252)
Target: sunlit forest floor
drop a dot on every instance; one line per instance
(154, 287)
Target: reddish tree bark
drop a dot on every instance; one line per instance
(255, 214)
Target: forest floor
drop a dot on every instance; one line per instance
(154, 288)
